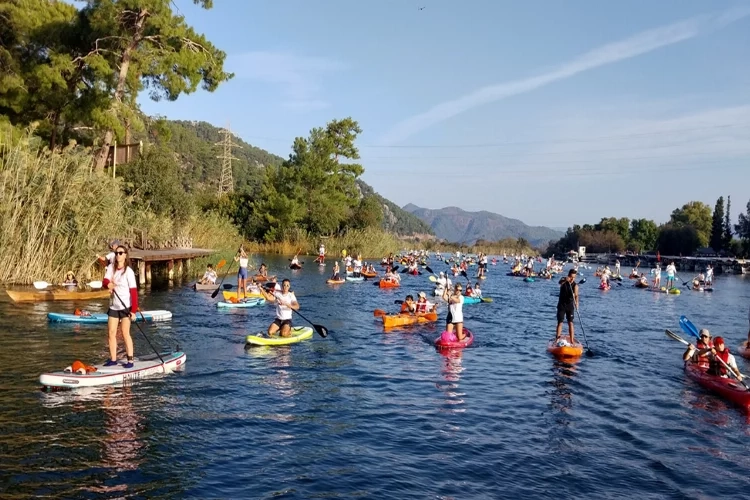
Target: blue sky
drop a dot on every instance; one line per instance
(555, 112)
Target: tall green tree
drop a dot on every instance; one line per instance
(369, 213)
(696, 214)
(643, 235)
(143, 44)
(727, 238)
(678, 239)
(620, 226)
(743, 226)
(717, 226)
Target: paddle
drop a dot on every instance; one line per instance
(95, 284)
(433, 279)
(140, 329)
(429, 270)
(676, 337)
(216, 292)
(589, 352)
(688, 327)
(379, 312)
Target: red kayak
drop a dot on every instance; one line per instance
(442, 342)
(728, 388)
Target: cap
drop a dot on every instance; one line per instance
(718, 340)
(704, 332)
(422, 295)
(442, 273)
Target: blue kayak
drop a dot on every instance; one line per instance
(355, 278)
(242, 303)
(102, 317)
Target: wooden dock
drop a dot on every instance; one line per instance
(177, 260)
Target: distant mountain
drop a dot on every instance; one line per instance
(460, 226)
(395, 219)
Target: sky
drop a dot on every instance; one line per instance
(555, 113)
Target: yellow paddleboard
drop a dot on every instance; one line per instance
(233, 295)
(299, 333)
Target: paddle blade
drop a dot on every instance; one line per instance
(676, 337)
(221, 264)
(432, 278)
(322, 330)
(398, 301)
(394, 268)
(95, 284)
(378, 313)
(429, 269)
(463, 273)
(582, 281)
(40, 285)
(216, 292)
(487, 299)
(688, 327)
(228, 286)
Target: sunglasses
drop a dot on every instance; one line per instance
(121, 253)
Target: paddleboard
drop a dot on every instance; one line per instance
(355, 278)
(242, 303)
(102, 317)
(143, 367)
(299, 333)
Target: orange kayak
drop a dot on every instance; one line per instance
(564, 349)
(368, 275)
(408, 319)
(389, 284)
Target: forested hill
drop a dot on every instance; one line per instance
(195, 143)
(454, 224)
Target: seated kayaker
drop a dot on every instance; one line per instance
(209, 277)
(409, 306)
(391, 276)
(70, 279)
(295, 261)
(696, 284)
(468, 292)
(336, 270)
(263, 270)
(423, 305)
(721, 352)
(476, 291)
(704, 344)
(253, 287)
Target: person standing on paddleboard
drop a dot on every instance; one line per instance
(567, 304)
(285, 302)
(120, 279)
(671, 271)
(241, 257)
(455, 319)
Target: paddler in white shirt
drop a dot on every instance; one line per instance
(285, 302)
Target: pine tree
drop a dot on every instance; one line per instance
(727, 225)
(717, 226)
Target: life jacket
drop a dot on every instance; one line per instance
(716, 367)
(468, 291)
(80, 368)
(422, 307)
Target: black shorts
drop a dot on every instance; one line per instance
(123, 313)
(281, 322)
(449, 320)
(564, 311)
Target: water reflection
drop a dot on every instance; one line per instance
(451, 372)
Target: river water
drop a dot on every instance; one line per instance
(368, 414)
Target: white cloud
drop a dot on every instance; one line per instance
(299, 78)
(638, 44)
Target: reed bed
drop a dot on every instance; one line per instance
(55, 213)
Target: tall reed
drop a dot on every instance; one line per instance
(55, 214)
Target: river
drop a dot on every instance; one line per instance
(362, 413)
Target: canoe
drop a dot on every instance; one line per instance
(143, 366)
(43, 295)
(102, 317)
(258, 277)
(228, 295)
(393, 320)
(563, 348)
(244, 303)
(355, 278)
(445, 344)
(299, 333)
(198, 287)
(369, 275)
(388, 284)
(335, 282)
(295, 266)
(728, 388)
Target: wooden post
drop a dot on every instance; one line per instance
(179, 269)
(142, 273)
(148, 272)
(114, 159)
(170, 269)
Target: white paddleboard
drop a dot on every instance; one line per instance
(143, 367)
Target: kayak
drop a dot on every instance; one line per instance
(102, 317)
(394, 320)
(388, 283)
(299, 333)
(228, 295)
(200, 287)
(472, 300)
(355, 278)
(564, 349)
(143, 366)
(369, 275)
(442, 343)
(728, 388)
(259, 277)
(43, 295)
(295, 266)
(529, 280)
(243, 303)
(335, 282)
